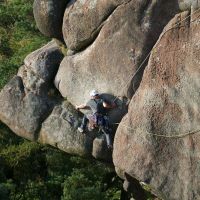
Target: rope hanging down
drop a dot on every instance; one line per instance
(131, 77)
(177, 25)
(175, 135)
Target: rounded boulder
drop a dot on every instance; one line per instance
(48, 15)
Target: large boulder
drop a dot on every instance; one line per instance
(40, 67)
(123, 42)
(60, 130)
(48, 15)
(83, 20)
(28, 98)
(22, 112)
(158, 141)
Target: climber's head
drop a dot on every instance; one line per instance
(94, 94)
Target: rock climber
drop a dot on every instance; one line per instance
(98, 107)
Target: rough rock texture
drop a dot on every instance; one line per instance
(166, 103)
(100, 150)
(22, 112)
(40, 67)
(60, 130)
(48, 15)
(29, 97)
(27, 101)
(187, 4)
(83, 20)
(108, 41)
(109, 63)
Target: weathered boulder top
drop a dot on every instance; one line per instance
(48, 15)
(25, 101)
(84, 19)
(49, 18)
(167, 103)
(123, 42)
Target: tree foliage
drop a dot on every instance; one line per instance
(18, 36)
(29, 170)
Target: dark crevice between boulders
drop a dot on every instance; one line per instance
(50, 25)
(143, 11)
(151, 39)
(62, 46)
(137, 77)
(133, 187)
(51, 101)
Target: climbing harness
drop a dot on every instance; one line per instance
(97, 121)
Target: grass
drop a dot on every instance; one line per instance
(19, 36)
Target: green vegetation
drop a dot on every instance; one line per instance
(18, 36)
(32, 171)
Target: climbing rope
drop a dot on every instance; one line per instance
(175, 135)
(177, 25)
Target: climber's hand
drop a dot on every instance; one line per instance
(77, 107)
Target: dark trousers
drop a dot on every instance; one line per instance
(105, 130)
(84, 122)
(107, 133)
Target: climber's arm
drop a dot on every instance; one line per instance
(82, 106)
